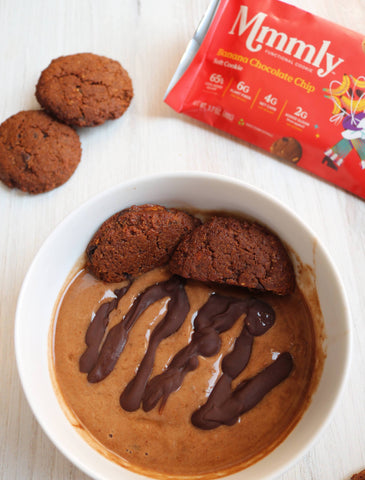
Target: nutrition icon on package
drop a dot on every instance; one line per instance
(349, 108)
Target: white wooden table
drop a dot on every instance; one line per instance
(148, 38)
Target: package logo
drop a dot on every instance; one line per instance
(260, 34)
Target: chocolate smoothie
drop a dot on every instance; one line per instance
(175, 377)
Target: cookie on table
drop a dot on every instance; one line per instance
(359, 476)
(37, 153)
(84, 89)
(136, 240)
(287, 148)
(226, 250)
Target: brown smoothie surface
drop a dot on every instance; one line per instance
(162, 440)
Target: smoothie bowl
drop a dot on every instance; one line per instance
(169, 373)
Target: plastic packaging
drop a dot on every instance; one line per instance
(280, 78)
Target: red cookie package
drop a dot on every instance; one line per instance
(282, 79)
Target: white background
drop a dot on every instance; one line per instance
(148, 37)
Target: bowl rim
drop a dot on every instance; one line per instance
(178, 175)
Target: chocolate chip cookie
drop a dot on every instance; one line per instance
(287, 148)
(84, 89)
(37, 153)
(231, 251)
(359, 476)
(136, 240)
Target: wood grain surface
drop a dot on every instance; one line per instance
(148, 37)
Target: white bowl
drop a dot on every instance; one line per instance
(63, 248)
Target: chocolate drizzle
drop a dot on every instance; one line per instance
(224, 406)
(217, 315)
(177, 310)
(118, 335)
(96, 330)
